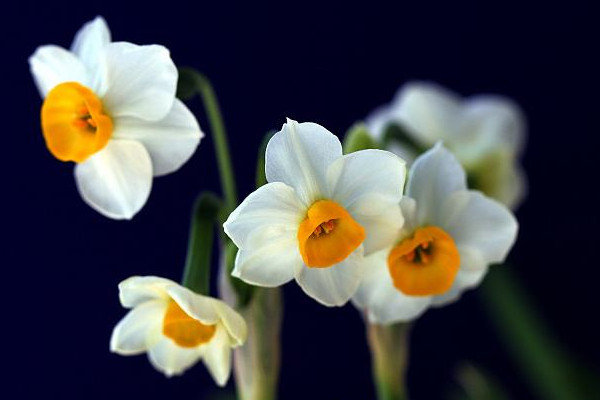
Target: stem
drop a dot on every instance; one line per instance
(389, 354)
(196, 275)
(256, 364)
(211, 105)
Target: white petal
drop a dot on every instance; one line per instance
(377, 295)
(141, 81)
(217, 357)
(272, 206)
(369, 185)
(89, 45)
(52, 65)
(433, 177)
(479, 223)
(117, 180)
(196, 306)
(299, 156)
(170, 141)
(233, 322)
(378, 120)
(271, 261)
(494, 121)
(139, 328)
(428, 111)
(139, 289)
(171, 359)
(335, 285)
(467, 278)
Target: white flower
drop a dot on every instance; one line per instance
(450, 237)
(111, 108)
(177, 327)
(317, 215)
(485, 132)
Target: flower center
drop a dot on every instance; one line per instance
(73, 123)
(424, 264)
(185, 330)
(328, 234)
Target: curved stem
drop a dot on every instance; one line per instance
(213, 112)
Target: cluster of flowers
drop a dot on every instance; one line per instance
(350, 227)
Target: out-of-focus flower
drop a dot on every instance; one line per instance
(317, 215)
(110, 107)
(177, 327)
(485, 132)
(450, 237)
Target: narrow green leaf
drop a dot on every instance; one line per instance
(196, 275)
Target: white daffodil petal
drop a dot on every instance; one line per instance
(299, 156)
(117, 180)
(465, 279)
(272, 206)
(217, 357)
(52, 65)
(197, 306)
(408, 208)
(170, 141)
(171, 359)
(140, 289)
(335, 285)
(378, 120)
(369, 184)
(377, 295)
(479, 223)
(433, 177)
(271, 261)
(428, 111)
(134, 333)
(233, 322)
(89, 45)
(143, 81)
(493, 122)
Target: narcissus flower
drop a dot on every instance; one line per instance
(450, 237)
(177, 327)
(318, 215)
(110, 107)
(485, 132)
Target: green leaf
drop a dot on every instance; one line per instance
(541, 360)
(196, 275)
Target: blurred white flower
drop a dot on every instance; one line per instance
(450, 237)
(111, 108)
(177, 327)
(317, 215)
(485, 132)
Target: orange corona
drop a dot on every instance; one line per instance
(424, 264)
(73, 122)
(185, 330)
(328, 234)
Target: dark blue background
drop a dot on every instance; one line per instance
(328, 63)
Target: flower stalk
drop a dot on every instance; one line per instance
(191, 82)
(256, 364)
(389, 358)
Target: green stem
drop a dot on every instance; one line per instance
(389, 355)
(196, 275)
(203, 86)
(257, 362)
